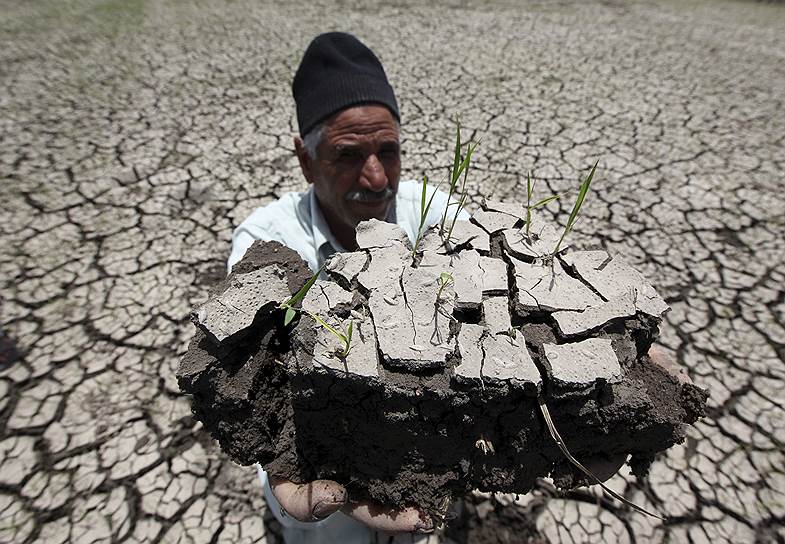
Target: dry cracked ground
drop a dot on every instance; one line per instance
(135, 136)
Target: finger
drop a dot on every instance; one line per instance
(308, 502)
(658, 353)
(408, 519)
(663, 359)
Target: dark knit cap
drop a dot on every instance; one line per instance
(338, 71)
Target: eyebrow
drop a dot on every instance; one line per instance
(343, 147)
(346, 147)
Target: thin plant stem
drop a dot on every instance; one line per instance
(563, 447)
(460, 204)
(346, 339)
(424, 209)
(445, 279)
(454, 172)
(530, 206)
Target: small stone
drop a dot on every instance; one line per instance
(583, 363)
(233, 310)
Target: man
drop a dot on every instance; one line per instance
(349, 152)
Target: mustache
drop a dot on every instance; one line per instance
(364, 195)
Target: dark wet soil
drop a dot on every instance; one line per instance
(416, 439)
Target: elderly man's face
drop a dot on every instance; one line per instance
(355, 175)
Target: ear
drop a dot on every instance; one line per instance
(306, 164)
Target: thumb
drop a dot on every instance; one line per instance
(311, 501)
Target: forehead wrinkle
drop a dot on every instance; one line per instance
(341, 136)
(355, 141)
(359, 128)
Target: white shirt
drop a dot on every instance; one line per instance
(296, 221)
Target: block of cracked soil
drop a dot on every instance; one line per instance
(414, 377)
(233, 310)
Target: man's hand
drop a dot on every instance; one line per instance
(317, 500)
(308, 502)
(409, 519)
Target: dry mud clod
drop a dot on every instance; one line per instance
(449, 349)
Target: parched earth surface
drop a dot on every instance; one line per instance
(135, 136)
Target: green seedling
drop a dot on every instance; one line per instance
(576, 207)
(530, 206)
(460, 166)
(563, 447)
(445, 279)
(344, 337)
(297, 298)
(424, 209)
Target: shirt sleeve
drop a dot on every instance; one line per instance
(241, 241)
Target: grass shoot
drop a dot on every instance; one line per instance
(297, 298)
(577, 206)
(530, 206)
(345, 336)
(445, 279)
(460, 166)
(424, 209)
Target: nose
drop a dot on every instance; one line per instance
(373, 176)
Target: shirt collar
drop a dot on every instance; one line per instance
(321, 230)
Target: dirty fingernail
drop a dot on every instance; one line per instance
(423, 527)
(323, 509)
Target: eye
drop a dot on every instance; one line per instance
(349, 154)
(388, 151)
